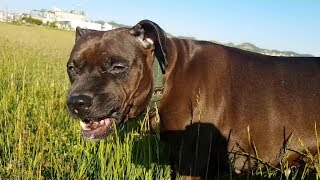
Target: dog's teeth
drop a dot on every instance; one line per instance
(84, 126)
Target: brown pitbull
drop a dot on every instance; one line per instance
(223, 109)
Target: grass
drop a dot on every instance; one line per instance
(38, 139)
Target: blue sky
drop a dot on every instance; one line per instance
(274, 24)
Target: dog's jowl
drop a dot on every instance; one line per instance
(222, 109)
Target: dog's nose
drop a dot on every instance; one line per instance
(79, 103)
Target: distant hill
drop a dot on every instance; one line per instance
(117, 25)
(253, 48)
(245, 46)
(186, 37)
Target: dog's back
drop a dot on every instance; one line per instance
(271, 99)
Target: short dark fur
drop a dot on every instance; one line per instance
(210, 90)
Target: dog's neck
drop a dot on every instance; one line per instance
(176, 56)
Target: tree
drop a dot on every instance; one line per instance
(100, 22)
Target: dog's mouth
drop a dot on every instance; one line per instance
(96, 129)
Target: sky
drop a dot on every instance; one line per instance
(272, 24)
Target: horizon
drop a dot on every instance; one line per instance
(284, 26)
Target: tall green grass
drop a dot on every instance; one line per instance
(38, 139)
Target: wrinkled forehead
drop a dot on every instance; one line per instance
(99, 45)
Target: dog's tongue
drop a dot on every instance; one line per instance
(95, 130)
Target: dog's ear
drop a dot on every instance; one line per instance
(151, 35)
(81, 31)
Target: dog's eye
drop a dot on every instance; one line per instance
(71, 71)
(117, 68)
(71, 67)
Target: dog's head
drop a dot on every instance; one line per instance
(111, 74)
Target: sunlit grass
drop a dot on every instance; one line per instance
(38, 139)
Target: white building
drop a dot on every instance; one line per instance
(106, 27)
(3, 16)
(68, 19)
(9, 16)
(72, 24)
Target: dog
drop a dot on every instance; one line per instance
(223, 110)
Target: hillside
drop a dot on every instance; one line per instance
(253, 48)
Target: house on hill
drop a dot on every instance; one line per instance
(10, 16)
(68, 19)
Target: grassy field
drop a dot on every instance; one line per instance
(38, 140)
